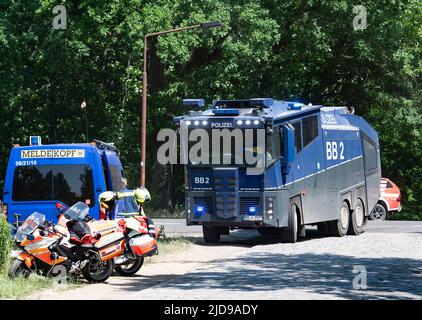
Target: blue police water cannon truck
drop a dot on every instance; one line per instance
(321, 167)
(44, 178)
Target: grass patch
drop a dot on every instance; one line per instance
(178, 213)
(19, 287)
(168, 245)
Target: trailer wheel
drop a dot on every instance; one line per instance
(289, 234)
(357, 219)
(339, 227)
(211, 234)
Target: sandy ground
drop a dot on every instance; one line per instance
(246, 266)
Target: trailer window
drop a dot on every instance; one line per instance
(66, 183)
(298, 135)
(310, 129)
(370, 154)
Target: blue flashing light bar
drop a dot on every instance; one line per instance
(193, 103)
(34, 140)
(226, 112)
(295, 105)
(265, 102)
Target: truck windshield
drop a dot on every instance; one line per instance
(66, 183)
(216, 154)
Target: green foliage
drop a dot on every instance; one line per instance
(5, 244)
(280, 49)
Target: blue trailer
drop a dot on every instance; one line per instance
(322, 167)
(40, 177)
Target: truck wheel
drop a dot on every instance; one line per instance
(289, 234)
(379, 213)
(211, 234)
(357, 219)
(339, 227)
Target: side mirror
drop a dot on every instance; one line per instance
(289, 144)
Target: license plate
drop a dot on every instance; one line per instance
(252, 218)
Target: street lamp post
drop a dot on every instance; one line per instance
(205, 25)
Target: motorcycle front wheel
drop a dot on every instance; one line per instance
(130, 268)
(98, 271)
(18, 269)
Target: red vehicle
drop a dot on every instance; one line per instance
(389, 202)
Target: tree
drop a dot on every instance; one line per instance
(280, 49)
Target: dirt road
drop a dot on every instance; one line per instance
(374, 265)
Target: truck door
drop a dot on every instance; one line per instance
(332, 157)
(297, 166)
(113, 170)
(313, 148)
(372, 171)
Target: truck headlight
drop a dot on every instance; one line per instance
(269, 207)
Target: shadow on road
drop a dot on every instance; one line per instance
(250, 238)
(387, 278)
(268, 273)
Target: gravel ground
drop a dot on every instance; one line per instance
(311, 269)
(245, 266)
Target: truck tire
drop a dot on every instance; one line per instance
(379, 213)
(339, 227)
(211, 234)
(357, 219)
(289, 234)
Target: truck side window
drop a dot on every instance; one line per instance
(116, 178)
(310, 129)
(370, 154)
(273, 145)
(298, 135)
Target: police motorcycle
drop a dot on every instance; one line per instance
(72, 249)
(139, 231)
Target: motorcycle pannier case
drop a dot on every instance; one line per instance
(110, 246)
(143, 245)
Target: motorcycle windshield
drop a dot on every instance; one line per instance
(77, 212)
(30, 225)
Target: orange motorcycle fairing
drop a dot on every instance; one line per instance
(45, 255)
(26, 258)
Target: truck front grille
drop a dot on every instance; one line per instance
(205, 202)
(247, 202)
